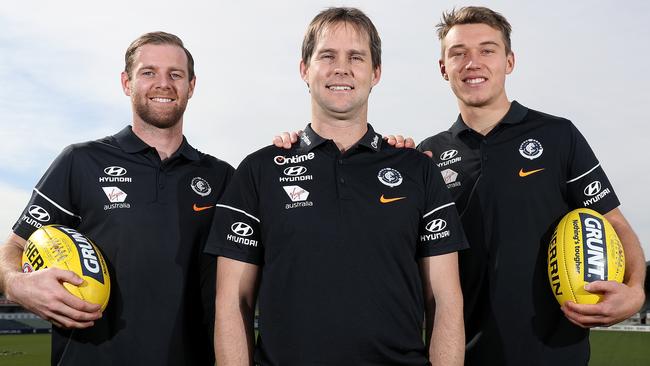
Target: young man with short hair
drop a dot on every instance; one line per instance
(513, 173)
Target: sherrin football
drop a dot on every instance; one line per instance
(584, 248)
(57, 246)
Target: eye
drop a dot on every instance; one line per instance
(457, 54)
(356, 58)
(147, 73)
(487, 51)
(176, 75)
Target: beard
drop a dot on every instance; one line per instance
(156, 117)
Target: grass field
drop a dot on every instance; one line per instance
(25, 349)
(607, 349)
(620, 348)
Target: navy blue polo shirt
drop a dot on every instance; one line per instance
(511, 188)
(338, 237)
(151, 219)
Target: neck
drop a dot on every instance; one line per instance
(483, 119)
(345, 132)
(165, 140)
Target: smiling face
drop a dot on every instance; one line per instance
(159, 85)
(340, 73)
(475, 63)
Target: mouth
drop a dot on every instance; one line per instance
(474, 80)
(161, 100)
(339, 87)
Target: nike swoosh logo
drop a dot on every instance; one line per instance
(389, 200)
(522, 173)
(200, 208)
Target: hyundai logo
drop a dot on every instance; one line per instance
(39, 213)
(592, 189)
(436, 225)
(115, 171)
(241, 229)
(448, 154)
(294, 171)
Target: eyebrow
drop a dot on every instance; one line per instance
(485, 43)
(154, 67)
(353, 51)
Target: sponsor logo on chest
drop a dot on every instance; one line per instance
(115, 174)
(116, 197)
(295, 173)
(449, 157)
(298, 196)
(450, 177)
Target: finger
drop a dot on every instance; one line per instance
(80, 309)
(67, 276)
(390, 139)
(583, 309)
(601, 287)
(584, 321)
(63, 322)
(277, 141)
(294, 135)
(409, 143)
(428, 153)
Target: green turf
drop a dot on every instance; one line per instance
(25, 349)
(619, 348)
(607, 349)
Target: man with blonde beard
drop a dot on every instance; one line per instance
(146, 198)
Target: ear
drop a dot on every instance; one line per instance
(510, 62)
(191, 89)
(126, 83)
(443, 69)
(304, 72)
(376, 75)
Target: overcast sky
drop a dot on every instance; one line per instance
(60, 65)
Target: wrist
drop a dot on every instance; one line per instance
(11, 280)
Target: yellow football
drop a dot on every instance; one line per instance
(584, 248)
(57, 246)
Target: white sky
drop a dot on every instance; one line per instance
(60, 64)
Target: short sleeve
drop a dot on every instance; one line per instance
(587, 184)
(51, 201)
(235, 229)
(440, 229)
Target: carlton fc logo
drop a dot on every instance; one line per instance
(531, 149)
(200, 186)
(389, 177)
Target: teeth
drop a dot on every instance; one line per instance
(337, 87)
(162, 100)
(475, 81)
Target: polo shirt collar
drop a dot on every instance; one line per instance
(309, 139)
(516, 114)
(131, 143)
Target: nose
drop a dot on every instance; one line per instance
(163, 81)
(341, 68)
(472, 64)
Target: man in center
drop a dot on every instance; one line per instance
(347, 240)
